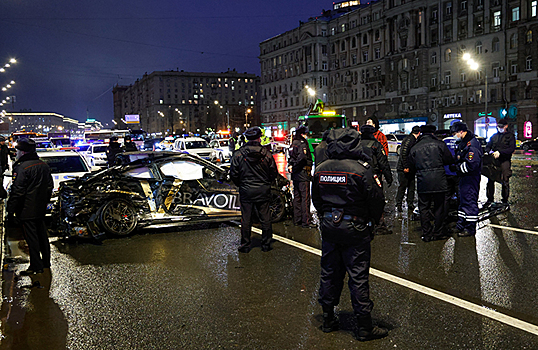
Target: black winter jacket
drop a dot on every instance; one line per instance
(345, 180)
(407, 143)
(379, 161)
(428, 158)
(505, 143)
(4, 157)
(31, 189)
(300, 159)
(113, 149)
(253, 169)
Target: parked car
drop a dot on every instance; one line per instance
(530, 145)
(221, 151)
(395, 142)
(96, 154)
(151, 144)
(150, 190)
(193, 145)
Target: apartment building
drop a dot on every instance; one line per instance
(178, 102)
(404, 62)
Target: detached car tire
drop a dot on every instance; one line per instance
(277, 206)
(525, 147)
(117, 217)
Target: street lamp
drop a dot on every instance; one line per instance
(247, 112)
(474, 66)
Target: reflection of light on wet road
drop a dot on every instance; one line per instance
(496, 280)
(478, 309)
(280, 160)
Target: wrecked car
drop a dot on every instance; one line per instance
(151, 190)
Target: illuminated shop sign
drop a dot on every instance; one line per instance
(527, 129)
(132, 118)
(452, 116)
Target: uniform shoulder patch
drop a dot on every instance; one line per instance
(333, 179)
(470, 155)
(469, 144)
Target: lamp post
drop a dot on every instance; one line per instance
(474, 66)
(246, 117)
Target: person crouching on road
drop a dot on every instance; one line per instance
(349, 201)
(468, 167)
(29, 195)
(427, 159)
(253, 169)
(501, 146)
(300, 167)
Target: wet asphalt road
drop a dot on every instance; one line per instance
(191, 289)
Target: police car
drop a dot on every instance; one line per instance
(395, 142)
(221, 151)
(64, 165)
(96, 154)
(193, 145)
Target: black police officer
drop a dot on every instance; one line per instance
(349, 202)
(253, 169)
(501, 146)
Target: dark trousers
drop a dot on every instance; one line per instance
(301, 202)
(336, 259)
(453, 192)
(264, 214)
(406, 183)
(437, 214)
(35, 234)
(468, 208)
(506, 173)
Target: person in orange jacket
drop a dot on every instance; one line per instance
(373, 121)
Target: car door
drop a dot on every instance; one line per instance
(197, 188)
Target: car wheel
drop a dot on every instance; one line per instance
(398, 150)
(526, 147)
(277, 206)
(117, 217)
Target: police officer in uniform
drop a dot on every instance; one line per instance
(113, 148)
(129, 145)
(29, 195)
(427, 159)
(4, 155)
(253, 169)
(468, 167)
(349, 202)
(501, 146)
(300, 167)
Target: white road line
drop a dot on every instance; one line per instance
(481, 310)
(513, 229)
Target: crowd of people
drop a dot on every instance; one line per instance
(351, 166)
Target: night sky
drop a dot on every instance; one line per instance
(71, 53)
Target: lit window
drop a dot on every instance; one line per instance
(497, 18)
(534, 6)
(515, 14)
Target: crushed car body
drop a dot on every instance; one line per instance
(150, 190)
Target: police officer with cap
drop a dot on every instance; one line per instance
(29, 195)
(468, 167)
(129, 145)
(300, 167)
(501, 146)
(253, 169)
(350, 202)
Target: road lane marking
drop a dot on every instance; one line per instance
(478, 309)
(514, 229)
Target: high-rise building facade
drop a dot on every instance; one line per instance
(178, 102)
(410, 62)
